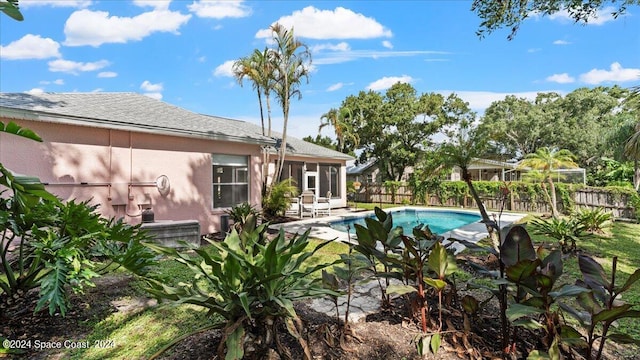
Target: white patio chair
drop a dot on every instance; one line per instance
(307, 204)
(294, 206)
(324, 205)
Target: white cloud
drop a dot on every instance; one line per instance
(220, 9)
(35, 91)
(86, 27)
(533, 50)
(336, 86)
(341, 23)
(387, 44)
(80, 4)
(149, 87)
(156, 4)
(616, 74)
(600, 17)
(225, 69)
(74, 67)
(30, 47)
(107, 74)
(344, 56)
(202, 59)
(561, 42)
(563, 78)
(342, 46)
(388, 81)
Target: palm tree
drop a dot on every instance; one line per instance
(632, 150)
(465, 146)
(546, 160)
(291, 60)
(258, 69)
(342, 122)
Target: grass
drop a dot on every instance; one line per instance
(139, 335)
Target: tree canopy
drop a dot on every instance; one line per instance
(496, 15)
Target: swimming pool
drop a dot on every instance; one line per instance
(439, 221)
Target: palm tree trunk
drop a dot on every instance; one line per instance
(636, 174)
(261, 111)
(483, 212)
(283, 144)
(554, 200)
(268, 114)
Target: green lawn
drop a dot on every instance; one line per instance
(141, 334)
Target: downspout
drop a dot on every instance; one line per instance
(130, 196)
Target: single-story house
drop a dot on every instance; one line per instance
(128, 152)
(489, 170)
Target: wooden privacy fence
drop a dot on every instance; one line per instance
(584, 198)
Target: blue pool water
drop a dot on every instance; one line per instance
(439, 222)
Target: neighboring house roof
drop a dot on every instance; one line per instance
(136, 112)
(360, 168)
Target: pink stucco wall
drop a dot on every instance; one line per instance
(117, 169)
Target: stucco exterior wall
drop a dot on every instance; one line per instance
(118, 169)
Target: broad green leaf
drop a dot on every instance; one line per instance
(568, 290)
(528, 324)
(623, 339)
(438, 260)
(588, 302)
(400, 289)
(517, 245)
(377, 229)
(610, 315)
(434, 343)
(235, 344)
(420, 342)
(554, 350)
(522, 270)
(584, 318)
(516, 311)
(630, 281)
(435, 283)
(552, 264)
(364, 236)
(592, 271)
(571, 336)
(15, 129)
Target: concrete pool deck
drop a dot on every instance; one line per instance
(321, 229)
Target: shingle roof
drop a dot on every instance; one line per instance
(136, 112)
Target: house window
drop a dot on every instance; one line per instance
(329, 178)
(230, 180)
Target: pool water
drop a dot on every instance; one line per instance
(440, 222)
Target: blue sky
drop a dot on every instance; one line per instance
(181, 51)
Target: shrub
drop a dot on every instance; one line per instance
(54, 246)
(241, 214)
(277, 199)
(251, 283)
(595, 220)
(566, 230)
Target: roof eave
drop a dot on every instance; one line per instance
(22, 114)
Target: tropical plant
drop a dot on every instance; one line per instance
(252, 284)
(423, 254)
(277, 199)
(258, 68)
(342, 120)
(54, 245)
(632, 151)
(595, 220)
(567, 231)
(546, 160)
(241, 214)
(10, 7)
(376, 242)
(602, 306)
(291, 60)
